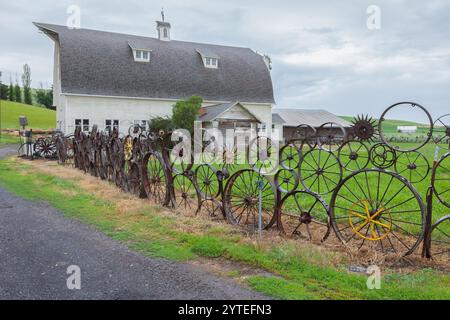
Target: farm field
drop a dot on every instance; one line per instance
(280, 267)
(38, 118)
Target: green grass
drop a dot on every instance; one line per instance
(299, 272)
(6, 139)
(38, 118)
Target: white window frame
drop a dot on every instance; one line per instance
(210, 62)
(139, 55)
(113, 123)
(84, 124)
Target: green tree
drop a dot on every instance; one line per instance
(161, 123)
(4, 94)
(26, 82)
(17, 93)
(11, 92)
(45, 97)
(185, 112)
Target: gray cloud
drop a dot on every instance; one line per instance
(323, 54)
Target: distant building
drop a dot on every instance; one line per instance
(290, 119)
(407, 129)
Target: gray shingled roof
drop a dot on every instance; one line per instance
(211, 112)
(276, 119)
(101, 63)
(314, 118)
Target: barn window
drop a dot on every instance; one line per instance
(85, 124)
(111, 125)
(82, 123)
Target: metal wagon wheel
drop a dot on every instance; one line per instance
(440, 180)
(441, 132)
(61, 150)
(290, 156)
(320, 171)
(404, 108)
(412, 165)
(286, 180)
(241, 199)
(304, 214)
(230, 160)
(211, 209)
(155, 178)
(304, 137)
(207, 181)
(133, 179)
(440, 238)
(353, 155)
(69, 143)
(45, 148)
(382, 156)
(180, 162)
(263, 155)
(379, 209)
(186, 194)
(330, 136)
(128, 147)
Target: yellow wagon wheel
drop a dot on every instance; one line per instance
(379, 209)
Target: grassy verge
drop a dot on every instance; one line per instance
(299, 271)
(6, 139)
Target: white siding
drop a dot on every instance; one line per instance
(126, 110)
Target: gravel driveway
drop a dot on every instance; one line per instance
(38, 244)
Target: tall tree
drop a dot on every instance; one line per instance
(185, 112)
(45, 97)
(4, 92)
(26, 82)
(17, 93)
(11, 91)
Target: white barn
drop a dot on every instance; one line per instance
(111, 79)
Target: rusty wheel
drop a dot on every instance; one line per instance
(304, 214)
(320, 171)
(440, 180)
(241, 199)
(440, 238)
(155, 178)
(45, 148)
(412, 165)
(207, 181)
(354, 155)
(186, 194)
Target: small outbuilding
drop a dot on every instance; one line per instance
(290, 119)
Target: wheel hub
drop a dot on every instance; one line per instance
(353, 155)
(250, 201)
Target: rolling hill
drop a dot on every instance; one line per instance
(38, 118)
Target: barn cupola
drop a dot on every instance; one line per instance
(163, 28)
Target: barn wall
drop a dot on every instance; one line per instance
(126, 110)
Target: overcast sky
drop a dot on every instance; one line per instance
(324, 55)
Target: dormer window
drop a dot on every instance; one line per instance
(141, 55)
(141, 51)
(211, 62)
(210, 59)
